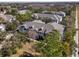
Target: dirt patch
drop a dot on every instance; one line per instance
(27, 48)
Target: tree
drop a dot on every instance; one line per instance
(69, 33)
(30, 7)
(2, 20)
(2, 34)
(5, 51)
(37, 10)
(11, 26)
(24, 17)
(12, 12)
(51, 46)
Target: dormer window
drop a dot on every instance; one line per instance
(40, 29)
(30, 27)
(22, 26)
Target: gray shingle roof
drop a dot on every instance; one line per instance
(58, 27)
(52, 16)
(37, 26)
(45, 27)
(7, 17)
(38, 21)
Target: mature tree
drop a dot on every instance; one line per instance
(37, 10)
(69, 36)
(2, 20)
(24, 17)
(5, 51)
(12, 12)
(2, 34)
(69, 43)
(30, 7)
(51, 46)
(11, 26)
